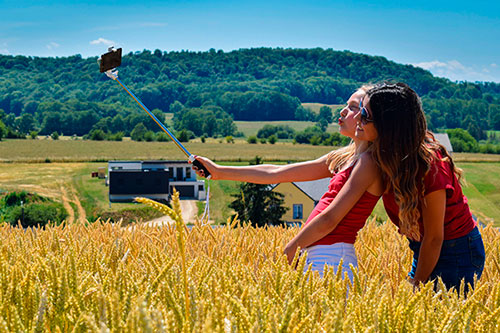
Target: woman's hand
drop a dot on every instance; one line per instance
(290, 250)
(211, 167)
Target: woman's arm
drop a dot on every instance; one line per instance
(433, 217)
(364, 174)
(267, 173)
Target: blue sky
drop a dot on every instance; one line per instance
(455, 39)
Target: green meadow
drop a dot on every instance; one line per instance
(252, 127)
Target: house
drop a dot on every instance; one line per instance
(153, 179)
(444, 140)
(301, 198)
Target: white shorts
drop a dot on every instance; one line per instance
(319, 255)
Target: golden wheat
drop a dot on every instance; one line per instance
(101, 276)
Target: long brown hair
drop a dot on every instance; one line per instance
(339, 158)
(404, 149)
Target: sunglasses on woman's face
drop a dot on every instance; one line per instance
(365, 118)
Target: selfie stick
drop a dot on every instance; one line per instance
(113, 74)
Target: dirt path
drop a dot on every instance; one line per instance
(67, 206)
(82, 217)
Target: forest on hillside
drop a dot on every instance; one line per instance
(211, 89)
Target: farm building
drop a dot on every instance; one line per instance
(444, 140)
(301, 197)
(153, 179)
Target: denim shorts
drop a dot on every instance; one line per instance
(460, 259)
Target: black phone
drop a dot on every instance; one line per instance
(110, 60)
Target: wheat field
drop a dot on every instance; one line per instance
(104, 277)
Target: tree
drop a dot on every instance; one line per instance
(462, 141)
(325, 113)
(3, 130)
(138, 132)
(27, 123)
(258, 203)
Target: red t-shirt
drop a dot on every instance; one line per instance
(458, 219)
(347, 229)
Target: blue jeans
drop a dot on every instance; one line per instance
(460, 259)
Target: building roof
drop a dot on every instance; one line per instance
(313, 189)
(444, 140)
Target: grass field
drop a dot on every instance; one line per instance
(84, 197)
(103, 151)
(252, 127)
(314, 107)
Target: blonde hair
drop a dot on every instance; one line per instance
(339, 158)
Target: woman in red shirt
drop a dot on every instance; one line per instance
(424, 197)
(329, 233)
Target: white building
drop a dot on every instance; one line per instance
(153, 179)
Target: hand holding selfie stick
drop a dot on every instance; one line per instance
(107, 64)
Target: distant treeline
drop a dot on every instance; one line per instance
(206, 91)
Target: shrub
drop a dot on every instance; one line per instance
(229, 139)
(38, 214)
(162, 137)
(118, 136)
(15, 198)
(97, 135)
(462, 141)
(272, 139)
(33, 134)
(149, 136)
(252, 139)
(185, 135)
(55, 135)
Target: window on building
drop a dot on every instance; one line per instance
(188, 172)
(297, 211)
(200, 188)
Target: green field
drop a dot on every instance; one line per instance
(314, 107)
(102, 151)
(252, 127)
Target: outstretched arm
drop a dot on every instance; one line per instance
(433, 217)
(363, 175)
(267, 173)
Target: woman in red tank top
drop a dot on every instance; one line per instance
(424, 197)
(329, 232)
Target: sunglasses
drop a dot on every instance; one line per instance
(365, 119)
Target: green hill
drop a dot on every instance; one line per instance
(69, 95)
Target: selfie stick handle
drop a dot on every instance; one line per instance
(114, 75)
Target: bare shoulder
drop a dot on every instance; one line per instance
(367, 163)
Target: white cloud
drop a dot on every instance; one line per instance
(4, 50)
(101, 40)
(494, 65)
(52, 45)
(456, 71)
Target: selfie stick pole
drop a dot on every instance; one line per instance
(113, 74)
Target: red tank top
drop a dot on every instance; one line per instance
(347, 229)
(458, 219)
